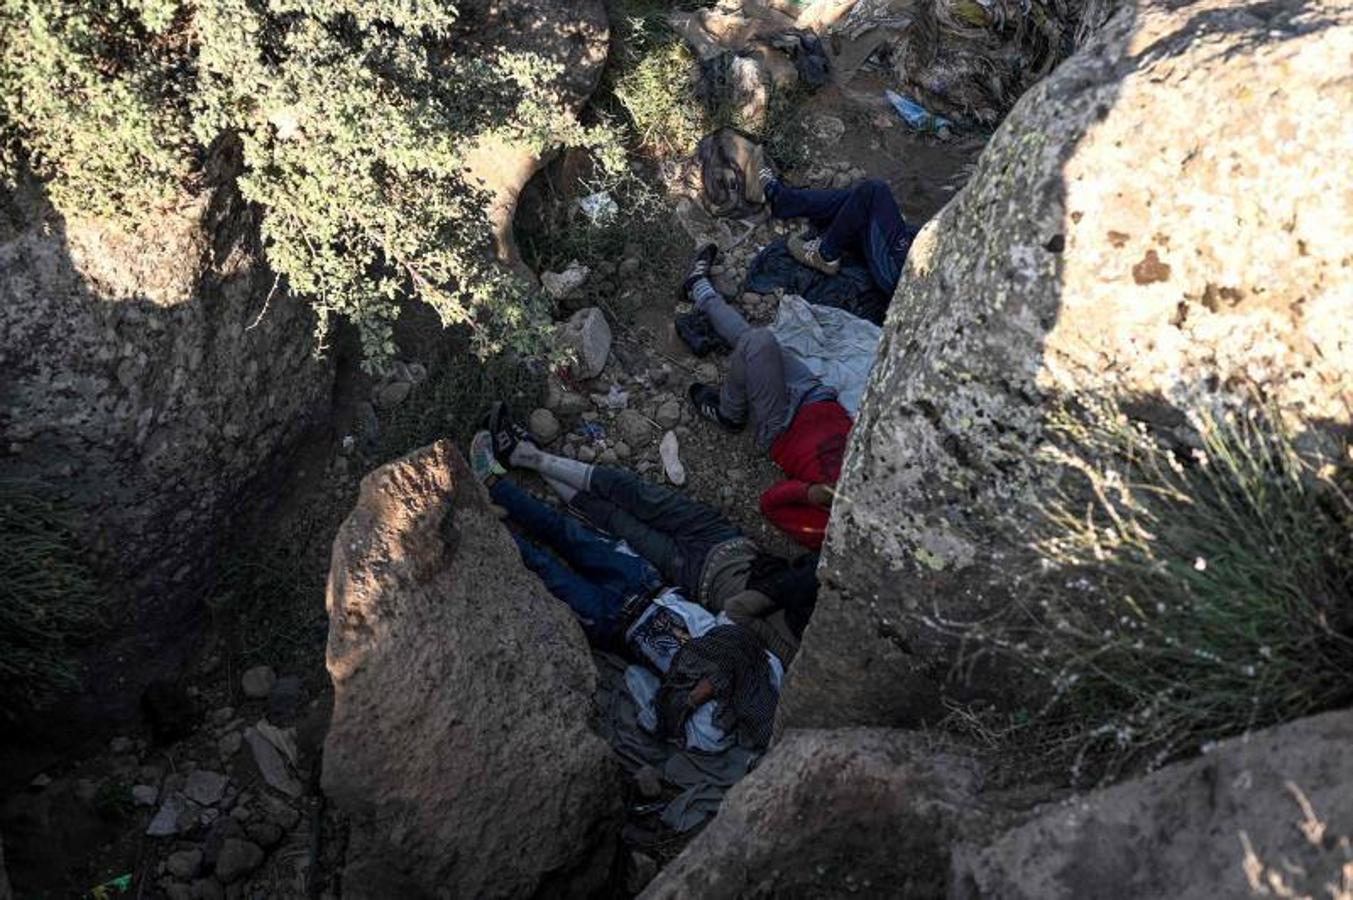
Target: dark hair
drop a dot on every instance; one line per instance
(792, 584)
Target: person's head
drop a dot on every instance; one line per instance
(792, 584)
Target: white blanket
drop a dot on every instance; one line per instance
(837, 347)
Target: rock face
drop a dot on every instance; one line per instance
(1165, 217)
(574, 35)
(1274, 804)
(141, 376)
(462, 693)
(832, 813)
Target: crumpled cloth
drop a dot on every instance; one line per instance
(733, 660)
(702, 778)
(851, 289)
(837, 346)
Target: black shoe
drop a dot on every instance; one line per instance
(704, 260)
(507, 434)
(705, 399)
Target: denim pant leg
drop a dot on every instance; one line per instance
(592, 554)
(597, 609)
(817, 205)
(727, 321)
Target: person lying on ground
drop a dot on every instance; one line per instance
(796, 416)
(719, 683)
(861, 219)
(693, 546)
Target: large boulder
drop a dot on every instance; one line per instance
(1165, 218)
(1274, 805)
(460, 743)
(576, 37)
(867, 812)
(151, 376)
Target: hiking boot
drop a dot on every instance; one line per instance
(705, 399)
(506, 433)
(700, 266)
(809, 253)
(482, 463)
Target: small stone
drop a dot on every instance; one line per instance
(184, 863)
(271, 763)
(390, 395)
(237, 859)
(628, 267)
(622, 450)
(223, 715)
(668, 414)
(633, 428)
(229, 744)
(166, 820)
(658, 377)
(241, 813)
(205, 787)
(751, 299)
(177, 891)
(608, 457)
(145, 794)
(544, 426)
(418, 373)
(587, 454)
(120, 745)
(41, 781)
(670, 453)
(258, 681)
(707, 372)
(649, 782)
(281, 812)
(564, 284)
(588, 336)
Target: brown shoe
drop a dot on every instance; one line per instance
(809, 253)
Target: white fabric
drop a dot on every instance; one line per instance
(836, 346)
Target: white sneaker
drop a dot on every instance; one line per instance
(669, 450)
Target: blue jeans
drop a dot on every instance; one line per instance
(863, 219)
(602, 576)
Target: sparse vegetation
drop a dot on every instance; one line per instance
(355, 119)
(1189, 594)
(48, 598)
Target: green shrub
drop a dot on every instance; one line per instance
(355, 118)
(48, 598)
(1189, 595)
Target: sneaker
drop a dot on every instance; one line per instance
(700, 266)
(760, 174)
(482, 463)
(506, 433)
(705, 399)
(809, 253)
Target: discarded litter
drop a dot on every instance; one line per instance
(121, 884)
(600, 208)
(917, 117)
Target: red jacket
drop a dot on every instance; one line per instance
(810, 451)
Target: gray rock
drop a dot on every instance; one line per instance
(229, 744)
(622, 450)
(588, 336)
(281, 812)
(266, 834)
(1100, 193)
(223, 715)
(563, 401)
(607, 457)
(1192, 827)
(175, 809)
(258, 681)
(628, 267)
(587, 453)
(183, 863)
(560, 285)
(120, 745)
(237, 859)
(668, 414)
(388, 396)
(270, 763)
(707, 372)
(40, 781)
(544, 426)
(208, 889)
(174, 890)
(205, 787)
(145, 794)
(634, 428)
(499, 785)
(808, 820)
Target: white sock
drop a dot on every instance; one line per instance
(571, 472)
(565, 492)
